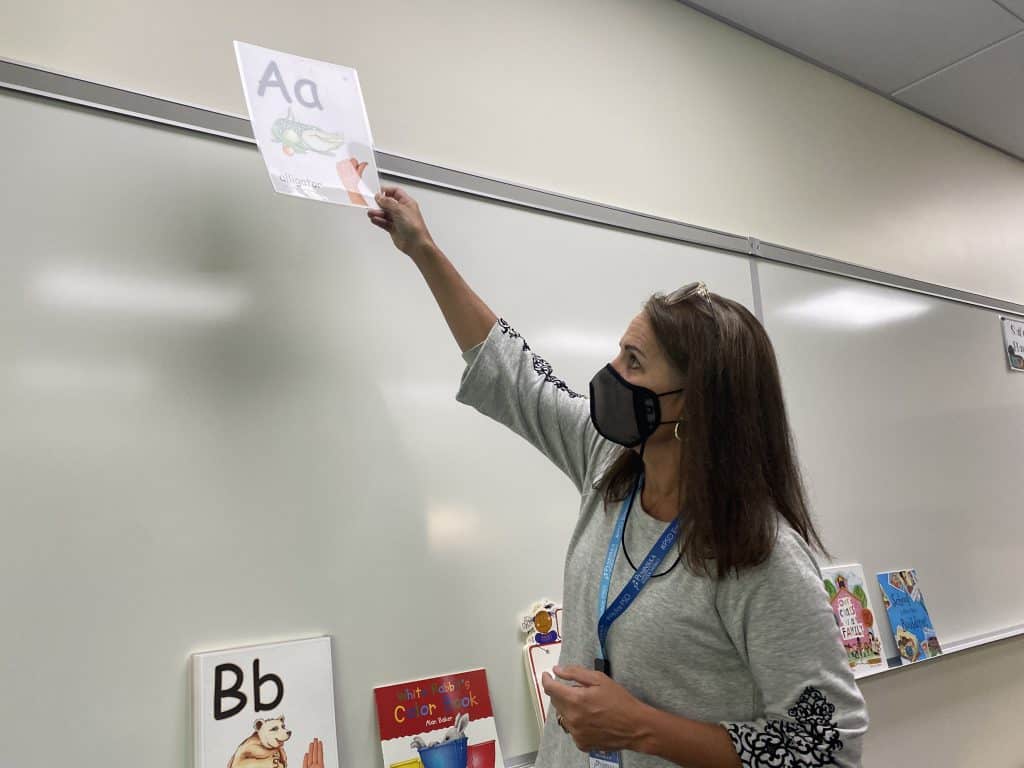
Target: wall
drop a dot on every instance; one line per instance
(649, 106)
(646, 105)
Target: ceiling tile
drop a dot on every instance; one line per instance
(983, 95)
(886, 44)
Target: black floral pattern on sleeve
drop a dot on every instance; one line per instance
(512, 333)
(812, 740)
(540, 365)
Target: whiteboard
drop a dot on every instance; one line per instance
(229, 418)
(910, 430)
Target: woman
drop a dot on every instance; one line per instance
(697, 627)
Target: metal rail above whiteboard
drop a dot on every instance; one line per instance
(41, 82)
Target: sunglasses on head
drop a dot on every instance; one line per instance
(689, 291)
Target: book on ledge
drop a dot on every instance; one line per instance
(855, 617)
(438, 722)
(909, 621)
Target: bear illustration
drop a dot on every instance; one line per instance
(264, 748)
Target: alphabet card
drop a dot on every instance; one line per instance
(310, 124)
(439, 722)
(265, 706)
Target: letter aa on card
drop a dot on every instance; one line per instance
(310, 124)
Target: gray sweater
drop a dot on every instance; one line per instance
(759, 653)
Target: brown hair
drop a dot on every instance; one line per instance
(738, 464)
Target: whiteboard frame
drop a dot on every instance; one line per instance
(48, 84)
(26, 78)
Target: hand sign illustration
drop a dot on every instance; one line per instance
(350, 171)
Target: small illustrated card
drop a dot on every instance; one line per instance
(542, 623)
(542, 626)
(310, 124)
(541, 659)
(1013, 340)
(264, 706)
(909, 621)
(855, 619)
(438, 722)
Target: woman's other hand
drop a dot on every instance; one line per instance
(597, 712)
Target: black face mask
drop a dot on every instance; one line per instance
(622, 412)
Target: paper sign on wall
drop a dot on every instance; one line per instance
(1013, 340)
(310, 124)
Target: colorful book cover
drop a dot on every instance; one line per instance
(909, 621)
(854, 616)
(438, 722)
(262, 706)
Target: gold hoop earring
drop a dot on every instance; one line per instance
(676, 430)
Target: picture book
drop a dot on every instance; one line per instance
(265, 705)
(438, 722)
(908, 617)
(854, 617)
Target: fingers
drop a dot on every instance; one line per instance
(560, 693)
(546, 682)
(314, 757)
(396, 193)
(379, 217)
(561, 722)
(578, 674)
(386, 203)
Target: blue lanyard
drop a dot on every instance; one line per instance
(606, 616)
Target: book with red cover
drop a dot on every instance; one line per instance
(438, 722)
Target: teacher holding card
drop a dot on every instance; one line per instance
(697, 628)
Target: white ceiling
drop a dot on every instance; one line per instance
(960, 62)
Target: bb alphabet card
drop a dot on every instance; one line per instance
(310, 125)
(265, 706)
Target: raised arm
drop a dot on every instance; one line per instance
(504, 379)
(468, 317)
